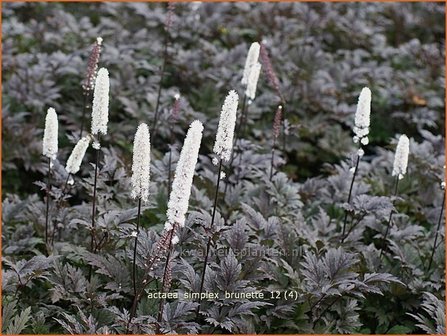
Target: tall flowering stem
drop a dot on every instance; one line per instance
(140, 183)
(134, 265)
(361, 131)
(396, 185)
(100, 118)
(95, 181)
(356, 168)
(167, 27)
(437, 230)
(49, 149)
(177, 205)
(222, 149)
(276, 131)
(89, 79)
(47, 211)
(208, 245)
(167, 278)
(399, 170)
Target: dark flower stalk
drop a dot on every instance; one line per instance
(161, 247)
(167, 280)
(268, 68)
(47, 213)
(437, 232)
(208, 245)
(167, 26)
(89, 79)
(95, 181)
(356, 168)
(396, 184)
(134, 266)
(276, 131)
(274, 82)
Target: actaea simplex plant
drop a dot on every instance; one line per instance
(184, 173)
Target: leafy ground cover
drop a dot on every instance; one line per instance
(293, 248)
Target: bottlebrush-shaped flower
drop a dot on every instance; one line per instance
(401, 157)
(362, 117)
(141, 163)
(184, 173)
(76, 156)
(92, 66)
(49, 147)
(253, 81)
(225, 131)
(100, 109)
(252, 59)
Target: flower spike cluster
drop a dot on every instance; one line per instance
(401, 157)
(184, 173)
(50, 144)
(76, 156)
(362, 117)
(141, 163)
(225, 131)
(100, 109)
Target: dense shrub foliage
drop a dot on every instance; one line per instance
(277, 232)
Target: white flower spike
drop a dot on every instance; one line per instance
(141, 163)
(49, 147)
(401, 157)
(362, 117)
(77, 155)
(100, 109)
(225, 131)
(184, 173)
(252, 59)
(253, 81)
